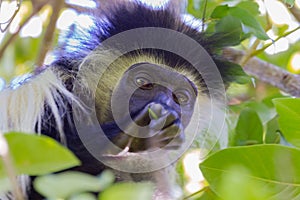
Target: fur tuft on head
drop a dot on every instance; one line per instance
(119, 16)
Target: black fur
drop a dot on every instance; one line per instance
(126, 16)
(109, 22)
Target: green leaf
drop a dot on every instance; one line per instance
(5, 185)
(106, 178)
(272, 134)
(132, 191)
(289, 118)
(208, 194)
(232, 72)
(230, 30)
(290, 2)
(274, 166)
(242, 186)
(249, 129)
(191, 8)
(280, 29)
(242, 15)
(248, 20)
(83, 196)
(220, 12)
(264, 112)
(65, 184)
(36, 155)
(199, 8)
(251, 6)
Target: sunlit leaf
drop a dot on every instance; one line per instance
(207, 194)
(249, 129)
(220, 11)
(65, 184)
(5, 185)
(274, 166)
(132, 191)
(36, 155)
(244, 16)
(83, 196)
(272, 134)
(249, 21)
(251, 6)
(265, 112)
(280, 29)
(192, 9)
(230, 30)
(238, 184)
(290, 2)
(288, 110)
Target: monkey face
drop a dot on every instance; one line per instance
(154, 105)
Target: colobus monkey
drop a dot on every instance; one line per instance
(126, 70)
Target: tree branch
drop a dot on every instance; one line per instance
(254, 53)
(296, 12)
(13, 36)
(267, 72)
(57, 5)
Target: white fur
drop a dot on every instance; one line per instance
(22, 108)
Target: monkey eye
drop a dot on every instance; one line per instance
(143, 83)
(181, 98)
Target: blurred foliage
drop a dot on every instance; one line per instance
(262, 158)
(20, 56)
(32, 154)
(262, 120)
(29, 161)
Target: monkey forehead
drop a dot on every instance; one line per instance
(159, 74)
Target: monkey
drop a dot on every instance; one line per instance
(143, 98)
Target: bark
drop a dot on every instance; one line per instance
(267, 72)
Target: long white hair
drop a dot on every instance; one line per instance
(22, 107)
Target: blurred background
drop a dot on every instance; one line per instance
(27, 40)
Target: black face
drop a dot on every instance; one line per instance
(161, 103)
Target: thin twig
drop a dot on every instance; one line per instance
(278, 38)
(196, 193)
(267, 72)
(12, 17)
(203, 16)
(47, 43)
(13, 36)
(249, 52)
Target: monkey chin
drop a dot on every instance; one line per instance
(163, 179)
